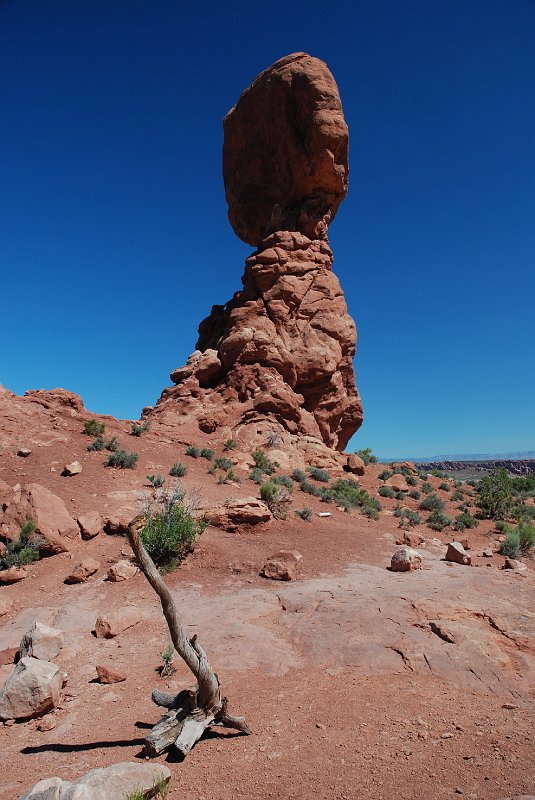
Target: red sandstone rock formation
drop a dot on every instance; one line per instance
(280, 352)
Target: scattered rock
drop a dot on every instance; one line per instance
(42, 642)
(115, 622)
(107, 674)
(32, 689)
(121, 571)
(48, 723)
(90, 524)
(457, 554)
(355, 464)
(12, 575)
(74, 468)
(83, 570)
(405, 559)
(488, 552)
(411, 539)
(24, 452)
(243, 511)
(283, 566)
(509, 563)
(111, 783)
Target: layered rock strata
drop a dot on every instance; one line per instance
(280, 352)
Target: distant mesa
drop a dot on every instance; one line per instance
(280, 352)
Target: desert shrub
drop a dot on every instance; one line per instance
(223, 463)
(457, 495)
(112, 445)
(401, 471)
(436, 473)
(193, 451)
(309, 488)
(137, 428)
(400, 495)
(93, 427)
(19, 552)
(500, 525)
(495, 496)
(273, 439)
(411, 480)
(472, 483)
(408, 517)
(167, 668)
(306, 514)
(523, 484)
(444, 487)
(398, 511)
(370, 506)
(225, 477)
(326, 495)
(170, 529)
(284, 480)
(298, 475)
(438, 520)
(156, 480)
(385, 474)
(212, 470)
(230, 444)
(207, 453)
(256, 475)
(432, 503)
(426, 487)
(348, 494)
(521, 511)
(511, 546)
(97, 444)
(465, 520)
(276, 497)
(386, 491)
(366, 455)
(422, 476)
(525, 533)
(178, 470)
(415, 494)
(122, 459)
(320, 475)
(262, 461)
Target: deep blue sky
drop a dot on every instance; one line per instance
(114, 240)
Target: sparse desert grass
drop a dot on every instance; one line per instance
(273, 439)
(223, 463)
(408, 517)
(138, 428)
(385, 474)
(426, 487)
(306, 514)
(193, 451)
(178, 470)
(156, 480)
(465, 520)
(230, 444)
(298, 475)
(519, 540)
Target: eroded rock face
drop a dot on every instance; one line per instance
(281, 351)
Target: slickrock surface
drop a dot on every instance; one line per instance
(280, 353)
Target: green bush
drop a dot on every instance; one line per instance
(495, 495)
(320, 475)
(348, 494)
(438, 520)
(309, 488)
(326, 495)
(366, 455)
(136, 429)
(432, 503)
(193, 451)
(306, 514)
(401, 495)
(230, 444)
(121, 459)
(93, 427)
(223, 463)
(415, 494)
(436, 473)
(156, 480)
(226, 477)
(457, 496)
(411, 480)
(262, 461)
(422, 476)
(426, 487)
(411, 518)
(298, 475)
(170, 529)
(444, 487)
(276, 497)
(465, 520)
(97, 444)
(207, 453)
(385, 474)
(112, 445)
(525, 532)
(284, 480)
(511, 546)
(178, 470)
(386, 491)
(256, 475)
(18, 552)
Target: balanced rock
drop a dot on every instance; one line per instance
(113, 623)
(83, 570)
(33, 689)
(110, 783)
(121, 571)
(405, 559)
(41, 641)
(283, 566)
(457, 554)
(279, 355)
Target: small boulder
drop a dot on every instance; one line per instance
(90, 524)
(41, 642)
(355, 464)
(24, 452)
(74, 468)
(398, 483)
(107, 674)
(112, 624)
(405, 559)
(12, 575)
(32, 689)
(410, 539)
(283, 566)
(514, 563)
(243, 511)
(110, 783)
(121, 571)
(488, 552)
(457, 554)
(83, 570)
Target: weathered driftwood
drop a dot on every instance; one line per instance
(193, 710)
